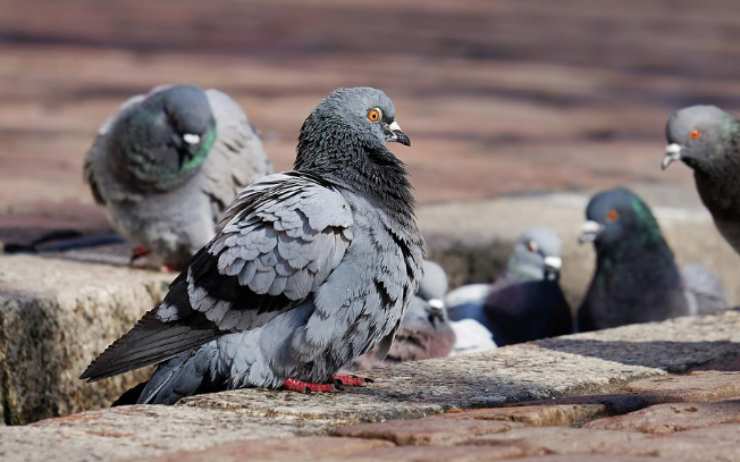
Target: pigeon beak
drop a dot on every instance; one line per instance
(436, 311)
(672, 153)
(552, 267)
(395, 134)
(589, 232)
(191, 138)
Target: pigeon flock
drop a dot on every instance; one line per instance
(297, 280)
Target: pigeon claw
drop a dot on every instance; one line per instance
(308, 387)
(138, 252)
(349, 380)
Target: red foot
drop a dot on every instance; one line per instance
(138, 252)
(351, 380)
(307, 387)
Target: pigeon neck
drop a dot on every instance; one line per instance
(365, 168)
(641, 257)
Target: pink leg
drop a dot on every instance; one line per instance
(350, 380)
(307, 387)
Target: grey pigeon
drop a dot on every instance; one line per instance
(309, 269)
(636, 277)
(707, 139)
(166, 166)
(526, 303)
(425, 330)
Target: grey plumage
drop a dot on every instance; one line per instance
(636, 277)
(526, 303)
(310, 268)
(707, 139)
(167, 164)
(704, 291)
(425, 330)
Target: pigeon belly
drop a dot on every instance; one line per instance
(172, 225)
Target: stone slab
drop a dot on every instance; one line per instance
(594, 363)
(672, 417)
(695, 386)
(55, 316)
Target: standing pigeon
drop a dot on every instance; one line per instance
(636, 277)
(309, 269)
(526, 303)
(707, 139)
(425, 330)
(166, 166)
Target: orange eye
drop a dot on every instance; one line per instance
(695, 134)
(613, 215)
(374, 114)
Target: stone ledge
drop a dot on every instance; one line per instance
(615, 360)
(55, 316)
(78, 308)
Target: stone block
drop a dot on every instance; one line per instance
(55, 317)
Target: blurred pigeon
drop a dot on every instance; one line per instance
(526, 303)
(425, 331)
(636, 277)
(707, 139)
(166, 166)
(309, 269)
(704, 290)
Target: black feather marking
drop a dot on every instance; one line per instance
(205, 274)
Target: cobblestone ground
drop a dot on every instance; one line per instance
(691, 417)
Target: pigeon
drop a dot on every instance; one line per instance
(166, 166)
(707, 139)
(526, 303)
(425, 330)
(636, 277)
(309, 269)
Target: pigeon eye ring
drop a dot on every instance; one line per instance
(375, 115)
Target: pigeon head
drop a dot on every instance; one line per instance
(619, 218)
(699, 135)
(347, 127)
(537, 256)
(343, 141)
(161, 141)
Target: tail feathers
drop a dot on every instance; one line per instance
(150, 341)
(186, 374)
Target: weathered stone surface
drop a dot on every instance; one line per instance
(537, 415)
(673, 417)
(132, 431)
(436, 430)
(339, 450)
(279, 450)
(586, 458)
(55, 316)
(594, 363)
(695, 386)
(573, 365)
(562, 440)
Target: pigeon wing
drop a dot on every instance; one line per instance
(283, 236)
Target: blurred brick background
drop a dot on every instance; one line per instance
(498, 97)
